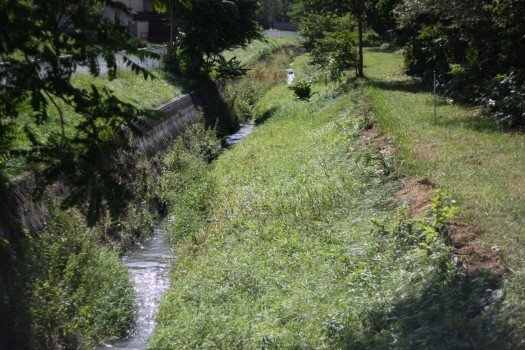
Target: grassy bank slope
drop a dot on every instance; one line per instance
(479, 164)
(300, 245)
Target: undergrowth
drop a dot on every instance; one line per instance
(79, 291)
(244, 93)
(67, 286)
(465, 152)
(291, 239)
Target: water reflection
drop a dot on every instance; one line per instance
(148, 264)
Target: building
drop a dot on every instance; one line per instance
(141, 19)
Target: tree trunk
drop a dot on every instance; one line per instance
(360, 59)
(171, 11)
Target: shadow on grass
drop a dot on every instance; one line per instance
(266, 115)
(412, 86)
(477, 121)
(186, 84)
(459, 313)
(386, 49)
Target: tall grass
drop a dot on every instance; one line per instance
(78, 291)
(298, 244)
(480, 164)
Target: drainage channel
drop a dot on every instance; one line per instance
(148, 264)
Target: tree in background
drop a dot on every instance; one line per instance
(326, 25)
(274, 10)
(172, 8)
(42, 43)
(337, 47)
(476, 48)
(208, 27)
(381, 17)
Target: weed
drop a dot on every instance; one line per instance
(80, 293)
(467, 155)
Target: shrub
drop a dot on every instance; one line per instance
(81, 292)
(371, 39)
(505, 97)
(243, 94)
(302, 90)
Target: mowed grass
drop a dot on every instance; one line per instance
(300, 245)
(465, 152)
(133, 88)
(260, 48)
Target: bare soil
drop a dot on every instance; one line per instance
(418, 193)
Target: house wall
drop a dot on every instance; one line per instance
(138, 28)
(142, 29)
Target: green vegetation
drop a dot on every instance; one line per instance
(274, 10)
(275, 56)
(202, 29)
(466, 153)
(292, 240)
(260, 49)
(68, 286)
(134, 89)
(475, 48)
(128, 87)
(39, 54)
(73, 290)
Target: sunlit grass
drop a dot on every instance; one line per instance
(292, 244)
(257, 48)
(464, 151)
(128, 87)
(133, 88)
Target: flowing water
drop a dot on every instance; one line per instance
(148, 264)
(239, 135)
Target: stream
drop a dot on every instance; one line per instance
(148, 263)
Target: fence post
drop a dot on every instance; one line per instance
(435, 114)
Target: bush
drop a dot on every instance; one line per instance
(302, 90)
(371, 39)
(505, 97)
(186, 183)
(430, 50)
(243, 94)
(81, 292)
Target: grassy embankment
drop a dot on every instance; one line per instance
(293, 239)
(468, 154)
(68, 288)
(128, 87)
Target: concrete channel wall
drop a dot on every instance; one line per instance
(19, 210)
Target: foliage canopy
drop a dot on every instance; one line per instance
(206, 28)
(42, 44)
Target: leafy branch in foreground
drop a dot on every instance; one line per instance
(42, 44)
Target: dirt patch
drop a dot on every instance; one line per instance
(426, 150)
(418, 193)
(464, 236)
(474, 256)
(371, 138)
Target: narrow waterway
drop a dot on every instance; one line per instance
(244, 130)
(148, 264)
